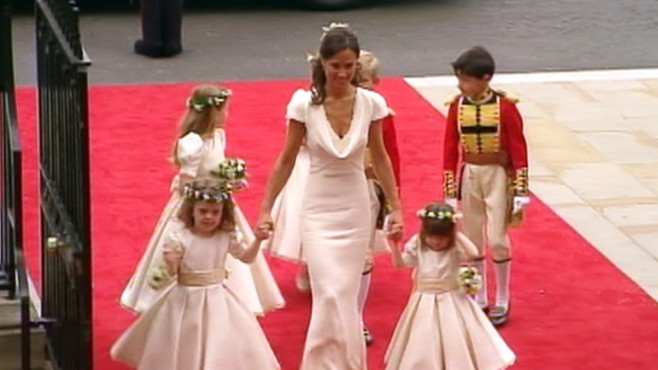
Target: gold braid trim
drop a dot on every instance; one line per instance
(521, 181)
(509, 96)
(449, 185)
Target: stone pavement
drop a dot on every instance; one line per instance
(593, 144)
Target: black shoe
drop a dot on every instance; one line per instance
(367, 335)
(148, 49)
(170, 51)
(499, 314)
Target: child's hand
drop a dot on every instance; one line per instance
(264, 226)
(394, 226)
(262, 233)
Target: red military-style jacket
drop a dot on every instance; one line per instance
(488, 131)
(391, 146)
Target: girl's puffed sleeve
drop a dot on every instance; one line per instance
(173, 243)
(236, 244)
(467, 249)
(411, 251)
(190, 150)
(161, 274)
(298, 105)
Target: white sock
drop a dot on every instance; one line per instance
(481, 296)
(364, 289)
(502, 270)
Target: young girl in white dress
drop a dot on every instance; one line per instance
(442, 328)
(335, 121)
(198, 151)
(198, 323)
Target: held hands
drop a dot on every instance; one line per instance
(519, 203)
(394, 226)
(264, 226)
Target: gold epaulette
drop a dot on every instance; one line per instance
(508, 96)
(452, 99)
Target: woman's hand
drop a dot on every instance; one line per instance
(394, 225)
(264, 226)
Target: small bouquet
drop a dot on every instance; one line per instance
(470, 280)
(159, 277)
(234, 172)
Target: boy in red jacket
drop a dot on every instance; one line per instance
(485, 132)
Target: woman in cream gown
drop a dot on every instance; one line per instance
(253, 284)
(335, 212)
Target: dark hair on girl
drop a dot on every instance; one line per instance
(475, 62)
(437, 219)
(335, 40)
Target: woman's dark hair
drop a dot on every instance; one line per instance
(475, 62)
(437, 220)
(335, 40)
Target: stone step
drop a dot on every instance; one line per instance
(10, 337)
(10, 349)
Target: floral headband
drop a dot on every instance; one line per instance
(199, 104)
(438, 215)
(210, 193)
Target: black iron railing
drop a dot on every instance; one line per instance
(64, 182)
(13, 277)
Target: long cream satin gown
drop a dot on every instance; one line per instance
(335, 229)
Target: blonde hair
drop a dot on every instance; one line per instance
(368, 64)
(202, 105)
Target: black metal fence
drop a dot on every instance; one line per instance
(13, 277)
(64, 180)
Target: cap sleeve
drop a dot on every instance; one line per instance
(190, 149)
(379, 106)
(411, 251)
(298, 105)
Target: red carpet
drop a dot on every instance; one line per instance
(572, 308)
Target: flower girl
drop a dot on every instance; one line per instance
(442, 328)
(198, 323)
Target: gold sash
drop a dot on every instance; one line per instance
(436, 286)
(200, 278)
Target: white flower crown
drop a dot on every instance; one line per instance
(199, 104)
(438, 215)
(210, 193)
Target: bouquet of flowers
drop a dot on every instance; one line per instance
(470, 280)
(158, 277)
(234, 172)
